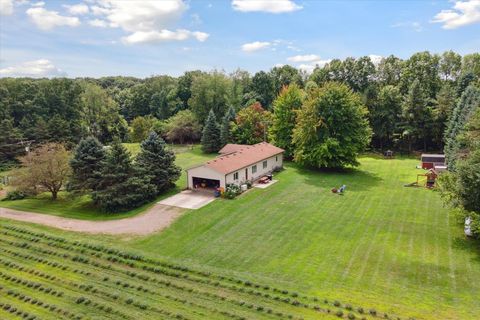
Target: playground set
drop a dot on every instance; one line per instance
(434, 163)
(426, 180)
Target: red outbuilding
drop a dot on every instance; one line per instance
(429, 161)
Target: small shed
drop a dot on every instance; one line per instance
(429, 161)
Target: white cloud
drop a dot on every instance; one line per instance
(146, 21)
(46, 20)
(77, 9)
(38, 4)
(6, 7)
(415, 25)
(37, 69)
(255, 46)
(304, 58)
(271, 6)
(463, 13)
(163, 35)
(311, 66)
(375, 58)
(140, 15)
(98, 23)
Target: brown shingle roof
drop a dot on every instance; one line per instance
(244, 157)
(231, 147)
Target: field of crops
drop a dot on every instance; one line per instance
(51, 277)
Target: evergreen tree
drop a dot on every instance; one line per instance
(285, 105)
(444, 104)
(211, 134)
(385, 114)
(469, 100)
(121, 186)
(10, 147)
(417, 114)
(463, 82)
(225, 126)
(86, 165)
(331, 129)
(156, 161)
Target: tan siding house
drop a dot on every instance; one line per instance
(236, 164)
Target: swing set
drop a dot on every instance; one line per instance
(425, 180)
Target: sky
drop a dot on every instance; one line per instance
(98, 38)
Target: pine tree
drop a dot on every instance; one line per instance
(285, 105)
(10, 148)
(121, 186)
(416, 113)
(86, 165)
(469, 100)
(157, 162)
(225, 127)
(211, 134)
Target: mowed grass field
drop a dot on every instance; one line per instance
(381, 245)
(82, 208)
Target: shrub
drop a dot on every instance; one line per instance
(348, 307)
(337, 303)
(339, 313)
(232, 191)
(15, 195)
(351, 316)
(373, 312)
(360, 310)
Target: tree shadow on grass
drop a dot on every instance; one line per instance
(470, 245)
(354, 179)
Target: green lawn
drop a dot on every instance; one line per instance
(380, 245)
(81, 207)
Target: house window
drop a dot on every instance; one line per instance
(276, 158)
(264, 164)
(254, 169)
(235, 176)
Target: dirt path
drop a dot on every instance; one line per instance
(155, 219)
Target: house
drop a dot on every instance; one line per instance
(231, 148)
(432, 161)
(236, 164)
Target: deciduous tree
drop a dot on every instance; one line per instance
(183, 127)
(251, 125)
(46, 168)
(285, 106)
(331, 129)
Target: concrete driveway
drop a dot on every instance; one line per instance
(189, 199)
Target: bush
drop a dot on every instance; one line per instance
(15, 195)
(339, 313)
(232, 191)
(351, 316)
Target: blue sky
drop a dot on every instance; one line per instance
(142, 38)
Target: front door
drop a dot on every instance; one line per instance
(246, 173)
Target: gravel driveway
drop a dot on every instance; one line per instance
(155, 219)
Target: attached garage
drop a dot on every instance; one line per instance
(204, 177)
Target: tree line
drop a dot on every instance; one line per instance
(408, 102)
(113, 179)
